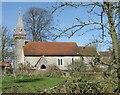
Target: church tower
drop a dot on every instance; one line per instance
(19, 36)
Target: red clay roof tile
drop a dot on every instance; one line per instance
(104, 54)
(87, 51)
(51, 48)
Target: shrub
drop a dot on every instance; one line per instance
(88, 87)
(51, 70)
(23, 69)
(81, 85)
(54, 71)
(9, 71)
(76, 68)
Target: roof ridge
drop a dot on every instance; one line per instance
(53, 42)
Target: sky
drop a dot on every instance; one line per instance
(63, 19)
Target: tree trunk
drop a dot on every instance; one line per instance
(114, 37)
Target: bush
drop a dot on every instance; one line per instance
(81, 85)
(51, 70)
(23, 69)
(9, 71)
(76, 68)
(88, 87)
(54, 71)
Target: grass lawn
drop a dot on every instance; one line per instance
(29, 84)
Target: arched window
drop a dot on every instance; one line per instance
(43, 66)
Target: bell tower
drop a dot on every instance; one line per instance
(19, 36)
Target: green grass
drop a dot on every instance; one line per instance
(29, 84)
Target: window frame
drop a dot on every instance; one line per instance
(60, 62)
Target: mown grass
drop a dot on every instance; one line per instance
(29, 84)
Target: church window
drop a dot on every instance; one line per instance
(82, 59)
(43, 66)
(72, 60)
(60, 63)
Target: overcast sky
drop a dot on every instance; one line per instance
(63, 19)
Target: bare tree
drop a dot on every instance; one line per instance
(38, 24)
(108, 11)
(7, 52)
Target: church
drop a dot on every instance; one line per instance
(42, 54)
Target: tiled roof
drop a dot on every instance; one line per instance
(4, 64)
(51, 48)
(105, 57)
(104, 54)
(87, 51)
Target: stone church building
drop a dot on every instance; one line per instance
(42, 54)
